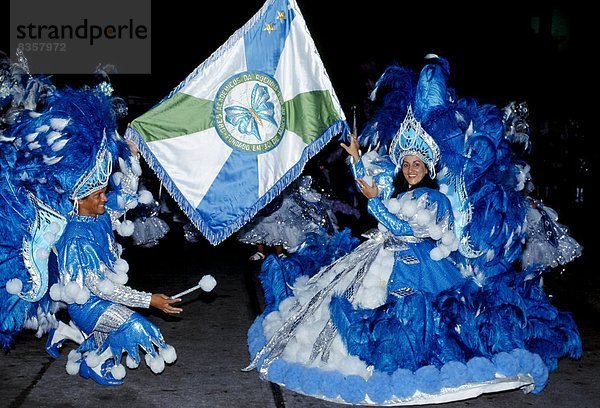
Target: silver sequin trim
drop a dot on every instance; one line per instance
(409, 260)
(110, 321)
(121, 294)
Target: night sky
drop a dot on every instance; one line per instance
(498, 51)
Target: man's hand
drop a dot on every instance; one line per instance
(163, 302)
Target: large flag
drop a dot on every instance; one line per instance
(243, 124)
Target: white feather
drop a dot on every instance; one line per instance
(52, 160)
(52, 136)
(59, 123)
(31, 137)
(59, 145)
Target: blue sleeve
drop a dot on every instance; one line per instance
(394, 224)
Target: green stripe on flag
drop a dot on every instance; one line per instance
(310, 114)
(179, 115)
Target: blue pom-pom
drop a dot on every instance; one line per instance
(293, 377)
(428, 379)
(506, 364)
(539, 374)
(525, 359)
(379, 387)
(311, 381)
(278, 371)
(403, 383)
(454, 374)
(481, 369)
(331, 383)
(353, 390)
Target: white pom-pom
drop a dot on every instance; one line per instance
(454, 245)
(448, 238)
(106, 286)
(445, 250)
(72, 367)
(125, 229)
(169, 354)
(42, 253)
(72, 290)
(121, 266)
(131, 363)
(55, 292)
(435, 232)
(73, 355)
(207, 283)
(118, 278)
(393, 205)
(145, 197)
(118, 372)
(156, 364)
(14, 286)
(54, 227)
(92, 359)
(131, 204)
(409, 208)
(82, 296)
(50, 238)
(436, 254)
(423, 217)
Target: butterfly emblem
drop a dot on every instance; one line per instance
(248, 120)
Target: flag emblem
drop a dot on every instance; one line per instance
(249, 112)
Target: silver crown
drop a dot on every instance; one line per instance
(412, 140)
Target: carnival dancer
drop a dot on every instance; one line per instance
(430, 308)
(58, 246)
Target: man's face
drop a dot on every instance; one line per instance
(93, 205)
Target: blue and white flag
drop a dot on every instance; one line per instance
(242, 125)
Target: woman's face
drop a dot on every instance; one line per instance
(413, 169)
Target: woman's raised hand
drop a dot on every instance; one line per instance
(368, 190)
(353, 148)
